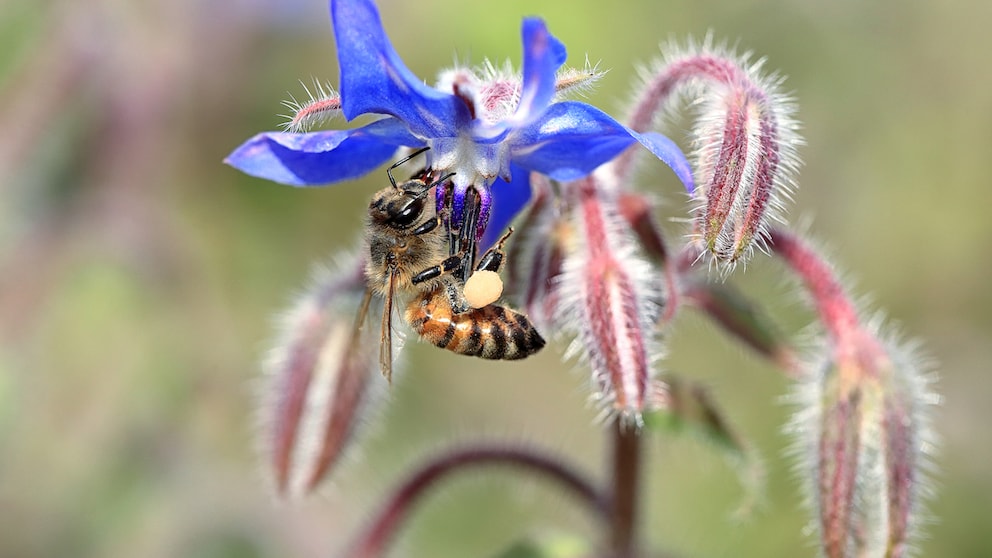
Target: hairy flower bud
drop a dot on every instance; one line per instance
(611, 299)
(864, 428)
(745, 140)
(865, 439)
(317, 381)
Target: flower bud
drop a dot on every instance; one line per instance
(316, 384)
(745, 140)
(864, 428)
(866, 434)
(610, 299)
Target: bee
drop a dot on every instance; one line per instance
(409, 256)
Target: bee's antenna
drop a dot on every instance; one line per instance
(435, 183)
(389, 171)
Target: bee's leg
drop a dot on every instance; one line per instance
(449, 265)
(466, 241)
(443, 198)
(456, 296)
(492, 260)
(448, 271)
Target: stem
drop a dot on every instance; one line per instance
(626, 481)
(836, 310)
(374, 540)
(742, 319)
(659, 90)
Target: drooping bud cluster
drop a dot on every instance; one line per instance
(863, 429)
(316, 389)
(585, 256)
(744, 137)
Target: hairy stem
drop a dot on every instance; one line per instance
(836, 310)
(374, 540)
(658, 91)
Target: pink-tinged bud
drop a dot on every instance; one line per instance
(316, 384)
(744, 137)
(865, 440)
(610, 299)
(864, 428)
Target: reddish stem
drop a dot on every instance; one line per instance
(626, 485)
(659, 90)
(836, 310)
(374, 540)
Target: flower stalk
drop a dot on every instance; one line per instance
(375, 539)
(626, 473)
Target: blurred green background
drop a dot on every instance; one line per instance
(138, 275)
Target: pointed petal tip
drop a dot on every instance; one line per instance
(321, 158)
(669, 153)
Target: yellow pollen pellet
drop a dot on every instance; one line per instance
(483, 288)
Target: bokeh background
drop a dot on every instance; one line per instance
(138, 275)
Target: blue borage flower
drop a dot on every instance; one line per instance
(465, 121)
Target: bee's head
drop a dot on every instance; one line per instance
(400, 207)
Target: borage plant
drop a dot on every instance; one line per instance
(589, 262)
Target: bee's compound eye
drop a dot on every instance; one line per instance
(409, 214)
(483, 288)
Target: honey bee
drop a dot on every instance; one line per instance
(409, 256)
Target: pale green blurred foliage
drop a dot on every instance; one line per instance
(138, 275)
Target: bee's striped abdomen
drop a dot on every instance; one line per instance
(491, 332)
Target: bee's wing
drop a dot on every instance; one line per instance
(386, 336)
(360, 340)
(360, 317)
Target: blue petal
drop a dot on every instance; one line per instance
(321, 158)
(543, 55)
(374, 79)
(665, 149)
(571, 139)
(509, 198)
